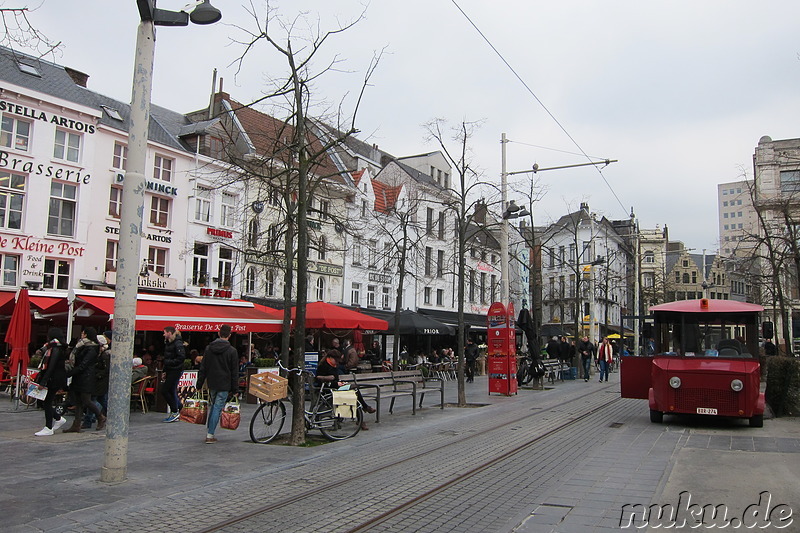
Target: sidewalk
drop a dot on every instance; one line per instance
(56, 487)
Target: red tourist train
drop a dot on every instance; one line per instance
(705, 362)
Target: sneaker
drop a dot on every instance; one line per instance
(44, 432)
(211, 440)
(58, 423)
(173, 417)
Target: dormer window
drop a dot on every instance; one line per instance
(29, 69)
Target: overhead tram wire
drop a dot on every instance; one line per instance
(527, 87)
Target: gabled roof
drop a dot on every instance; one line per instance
(271, 136)
(60, 82)
(385, 196)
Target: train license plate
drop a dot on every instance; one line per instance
(706, 411)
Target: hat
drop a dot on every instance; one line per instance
(137, 361)
(102, 340)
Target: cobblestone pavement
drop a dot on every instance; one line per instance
(509, 465)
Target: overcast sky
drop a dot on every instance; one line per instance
(679, 92)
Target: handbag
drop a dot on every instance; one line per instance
(195, 410)
(231, 414)
(36, 391)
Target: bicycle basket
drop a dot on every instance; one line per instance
(345, 403)
(269, 386)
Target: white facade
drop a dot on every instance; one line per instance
(738, 223)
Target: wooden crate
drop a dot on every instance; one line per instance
(268, 386)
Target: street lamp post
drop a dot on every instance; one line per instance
(115, 459)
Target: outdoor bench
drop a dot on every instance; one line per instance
(552, 370)
(390, 385)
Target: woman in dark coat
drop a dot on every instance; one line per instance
(53, 376)
(83, 379)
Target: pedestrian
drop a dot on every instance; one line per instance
(471, 355)
(220, 367)
(174, 355)
(52, 375)
(102, 367)
(84, 377)
(566, 351)
(586, 349)
(605, 355)
(553, 348)
(769, 348)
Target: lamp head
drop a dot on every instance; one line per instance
(205, 13)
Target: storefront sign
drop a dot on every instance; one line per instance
(155, 237)
(214, 232)
(150, 281)
(28, 243)
(386, 279)
(35, 114)
(216, 293)
(188, 379)
(152, 186)
(30, 167)
(314, 267)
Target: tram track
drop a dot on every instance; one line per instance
(310, 498)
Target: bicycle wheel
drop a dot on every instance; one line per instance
(337, 427)
(522, 373)
(267, 422)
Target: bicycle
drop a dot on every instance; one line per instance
(269, 417)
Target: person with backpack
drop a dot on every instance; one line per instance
(102, 367)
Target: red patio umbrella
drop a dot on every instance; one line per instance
(19, 334)
(324, 315)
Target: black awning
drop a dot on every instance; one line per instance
(473, 320)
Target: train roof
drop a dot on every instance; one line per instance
(714, 306)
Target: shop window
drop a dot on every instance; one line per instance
(12, 200)
(120, 158)
(250, 280)
(162, 168)
(225, 267)
(228, 214)
(15, 133)
(10, 265)
(200, 264)
(56, 274)
(386, 297)
(252, 233)
(67, 146)
(320, 289)
(202, 205)
(115, 202)
(157, 260)
(112, 253)
(61, 215)
(159, 211)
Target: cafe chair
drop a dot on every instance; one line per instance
(139, 391)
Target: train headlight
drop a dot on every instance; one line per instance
(737, 385)
(675, 382)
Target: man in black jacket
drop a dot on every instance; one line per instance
(586, 349)
(471, 356)
(174, 355)
(220, 367)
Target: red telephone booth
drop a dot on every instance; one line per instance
(502, 349)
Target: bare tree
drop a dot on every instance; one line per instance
(20, 33)
(297, 161)
(454, 143)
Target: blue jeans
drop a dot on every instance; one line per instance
(216, 402)
(587, 366)
(603, 369)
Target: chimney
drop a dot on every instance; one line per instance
(480, 212)
(78, 77)
(585, 206)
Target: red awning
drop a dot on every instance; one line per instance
(153, 315)
(6, 303)
(325, 315)
(49, 304)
